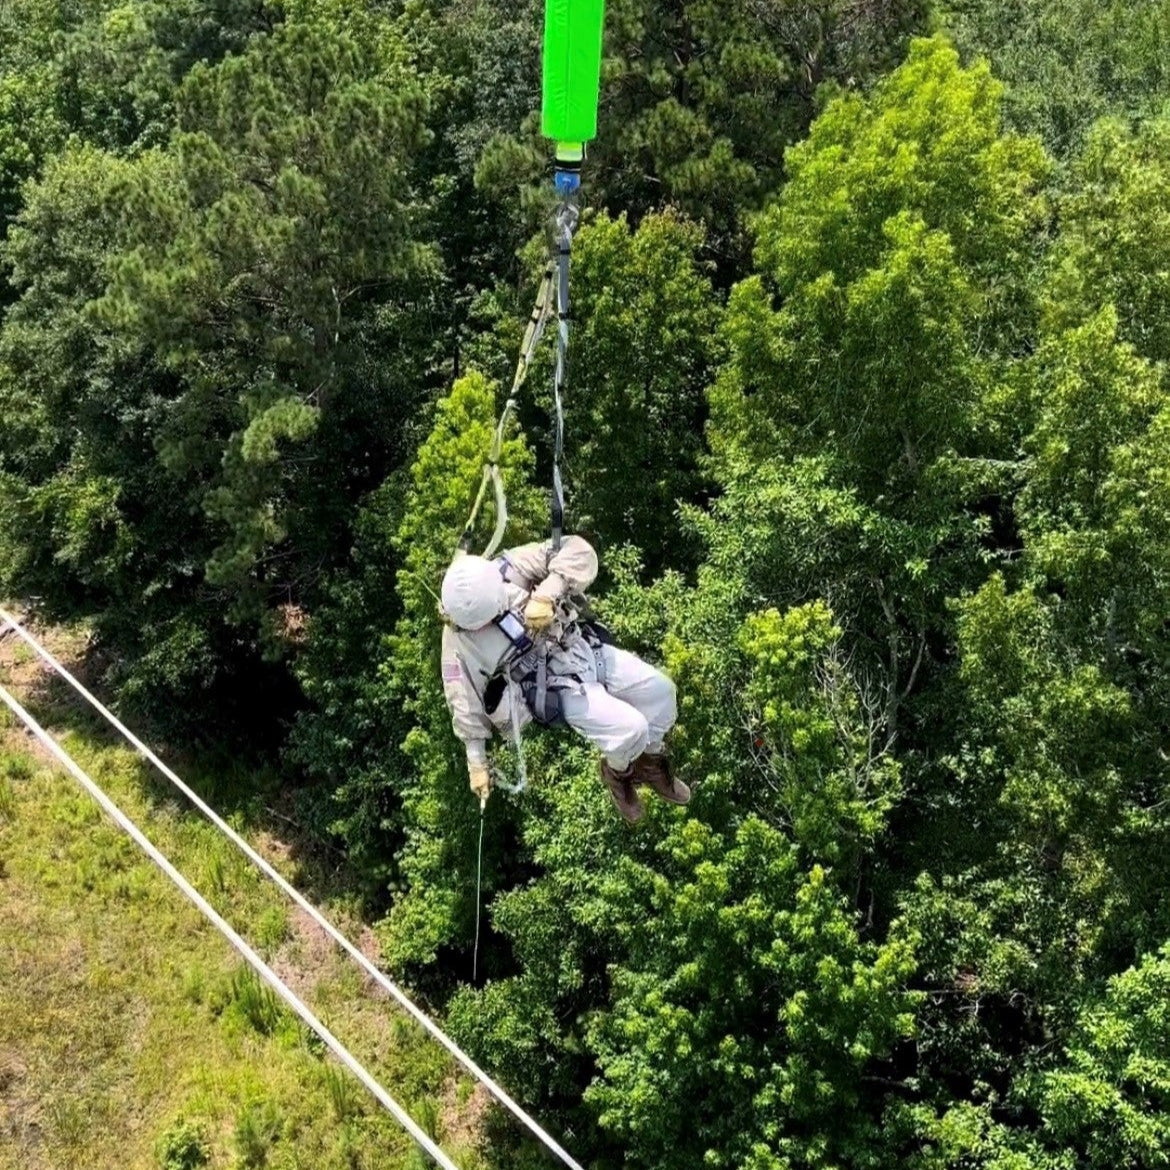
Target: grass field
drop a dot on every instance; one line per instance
(132, 1036)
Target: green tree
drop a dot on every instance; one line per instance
(29, 120)
(1067, 63)
(27, 124)
(757, 1063)
(264, 312)
(436, 908)
(118, 67)
(1064, 677)
(1114, 246)
(710, 95)
(292, 231)
(1047, 862)
(1108, 1098)
(644, 351)
(65, 534)
(892, 287)
(105, 72)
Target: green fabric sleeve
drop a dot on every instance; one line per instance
(572, 68)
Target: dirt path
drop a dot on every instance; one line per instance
(26, 677)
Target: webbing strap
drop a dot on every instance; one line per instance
(554, 291)
(541, 700)
(599, 660)
(566, 226)
(491, 470)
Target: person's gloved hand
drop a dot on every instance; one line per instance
(481, 780)
(539, 613)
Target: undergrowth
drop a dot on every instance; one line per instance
(133, 1038)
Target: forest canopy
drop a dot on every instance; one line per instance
(868, 417)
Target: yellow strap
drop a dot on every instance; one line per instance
(532, 335)
(542, 311)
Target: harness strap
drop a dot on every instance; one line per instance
(553, 293)
(541, 312)
(540, 699)
(599, 659)
(597, 644)
(566, 225)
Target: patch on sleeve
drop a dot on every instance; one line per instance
(452, 672)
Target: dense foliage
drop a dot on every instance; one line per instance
(1070, 62)
(869, 418)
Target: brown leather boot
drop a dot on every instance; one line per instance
(653, 769)
(621, 788)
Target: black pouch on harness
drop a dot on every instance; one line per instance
(512, 627)
(493, 693)
(549, 713)
(543, 701)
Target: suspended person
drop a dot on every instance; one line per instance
(516, 649)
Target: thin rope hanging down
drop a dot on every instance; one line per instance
(478, 899)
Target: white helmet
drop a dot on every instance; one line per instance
(473, 592)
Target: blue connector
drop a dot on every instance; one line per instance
(567, 182)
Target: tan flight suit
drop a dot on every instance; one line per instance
(627, 715)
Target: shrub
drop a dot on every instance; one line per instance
(183, 1147)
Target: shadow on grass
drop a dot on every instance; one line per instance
(249, 794)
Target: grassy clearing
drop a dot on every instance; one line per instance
(131, 1036)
